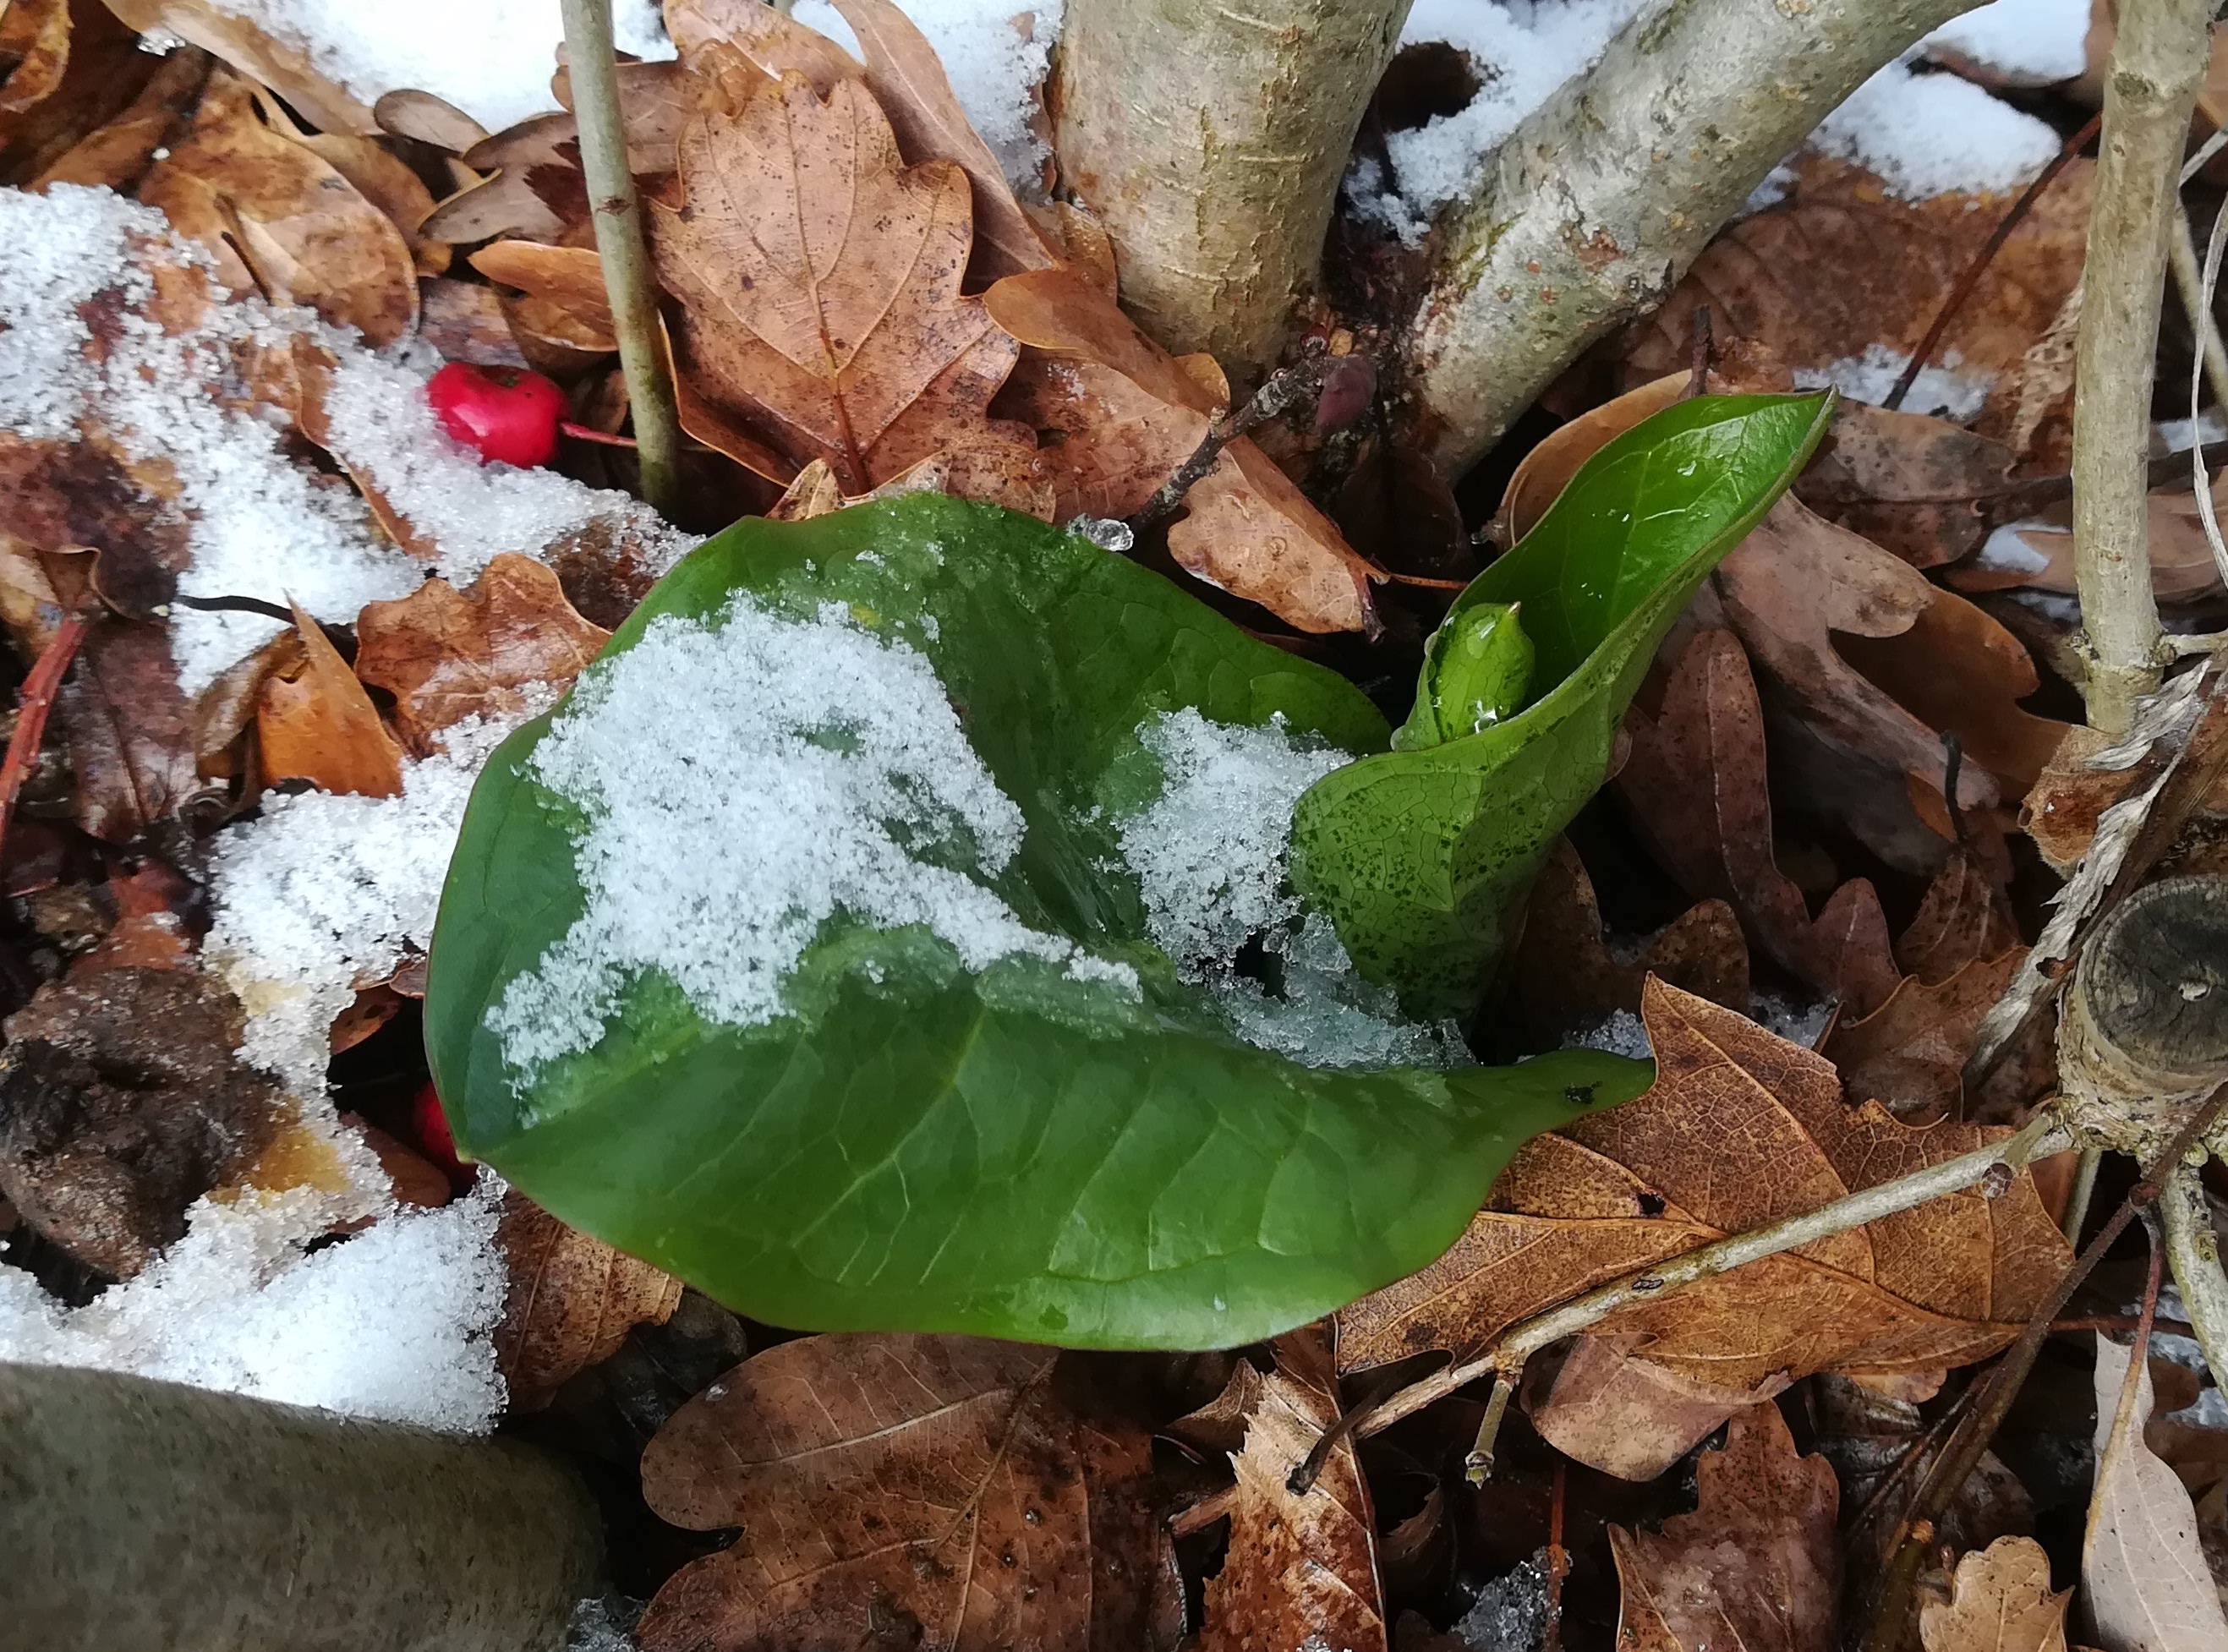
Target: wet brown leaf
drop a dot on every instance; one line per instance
(320, 725)
(35, 42)
(1753, 1566)
(819, 281)
(129, 731)
(1303, 1566)
(2182, 565)
(936, 1491)
(1626, 1416)
(1910, 483)
(1542, 475)
(572, 1300)
(511, 644)
(1695, 781)
(1909, 1053)
(123, 1099)
(1740, 1129)
(279, 220)
(1999, 1601)
(464, 320)
(1126, 409)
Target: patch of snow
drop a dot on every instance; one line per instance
(997, 56)
(1770, 191)
(493, 59)
(1939, 389)
(2179, 435)
(2030, 43)
(1797, 1021)
(833, 754)
(1621, 1033)
(2005, 549)
(1524, 50)
(1928, 135)
(394, 1323)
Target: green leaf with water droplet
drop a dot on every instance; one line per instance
(1477, 669)
(1421, 857)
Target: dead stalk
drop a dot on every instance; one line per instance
(2041, 1136)
(2192, 1249)
(2158, 62)
(620, 246)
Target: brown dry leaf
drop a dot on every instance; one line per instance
(320, 725)
(378, 174)
(1303, 1567)
(1740, 1129)
(1840, 265)
(572, 1300)
(2182, 566)
(1695, 781)
(1567, 978)
(509, 644)
(1910, 483)
(117, 154)
(569, 277)
(2144, 1581)
(1999, 1601)
(1542, 475)
(279, 220)
(122, 1098)
(1626, 1416)
(1909, 1053)
(224, 33)
(1754, 1566)
(429, 119)
(129, 731)
(819, 281)
(1868, 1428)
(1126, 410)
(908, 81)
(35, 42)
(940, 1492)
(771, 39)
(464, 321)
(1962, 919)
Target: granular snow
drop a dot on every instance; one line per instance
(2029, 43)
(1928, 135)
(995, 55)
(1939, 389)
(394, 1323)
(833, 762)
(493, 59)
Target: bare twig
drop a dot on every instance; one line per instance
(2189, 286)
(1972, 1437)
(2158, 62)
(2193, 1249)
(2042, 1135)
(2085, 1167)
(40, 689)
(619, 246)
(1971, 277)
(2200, 478)
(1283, 389)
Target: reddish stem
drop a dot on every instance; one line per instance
(590, 433)
(37, 700)
(1558, 1559)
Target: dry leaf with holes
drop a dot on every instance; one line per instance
(502, 650)
(1999, 1601)
(1740, 1129)
(1303, 1566)
(2144, 1580)
(572, 1300)
(942, 1491)
(1754, 1566)
(320, 725)
(1695, 783)
(279, 220)
(819, 279)
(1127, 413)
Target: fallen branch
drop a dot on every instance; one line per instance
(623, 254)
(1601, 200)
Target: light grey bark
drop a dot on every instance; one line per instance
(1599, 203)
(2151, 81)
(141, 1516)
(1210, 140)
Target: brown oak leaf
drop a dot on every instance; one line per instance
(1910, 1053)
(319, 725)
(1999, 1601)
(1962, 919)
(1756, 1565)
(1740, 1129)
(934, 1492)
(495, 651)
(1912, 483)
(819, 283)
(572, 1301)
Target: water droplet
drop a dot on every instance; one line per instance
(1221, 1306)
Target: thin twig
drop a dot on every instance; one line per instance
(2200, 478)
(2091, 1160)
(2193, 1249)
(40, 689)
(1971, 1440)
(1558, 1557)
(1981, 259)
(2040, 1136)
(1477, 1467)
(620, 247)
(2189, 286)
(1280, 392)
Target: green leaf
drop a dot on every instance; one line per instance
(1011, 1154)
(1421, 857)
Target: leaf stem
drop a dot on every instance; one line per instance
(40, 689)
(619, 245)
(2040, 1136)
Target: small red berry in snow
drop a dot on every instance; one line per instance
(501, 414)
(430, 1126)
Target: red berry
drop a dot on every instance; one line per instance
(430, 1126)
(501, 414)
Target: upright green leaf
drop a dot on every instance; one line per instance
(1421, 856)
(913, 1146)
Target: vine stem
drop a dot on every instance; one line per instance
(2041, 1136)
(620, 247)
